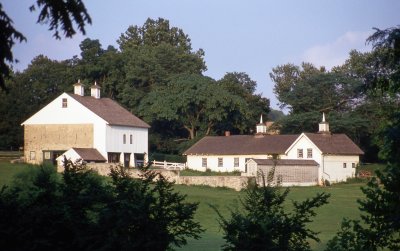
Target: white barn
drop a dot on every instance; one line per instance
(89, 123)
(335, 154)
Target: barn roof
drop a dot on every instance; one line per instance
(89, 154)
(241, 145)
(334, 143)
(110, 111)
(286, 162)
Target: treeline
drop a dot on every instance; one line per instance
(154, 73)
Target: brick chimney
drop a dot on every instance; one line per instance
(227, 133)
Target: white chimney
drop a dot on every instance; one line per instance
(95, 90)
(79, 89)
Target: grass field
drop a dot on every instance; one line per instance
(342, 203)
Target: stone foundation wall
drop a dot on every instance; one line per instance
(235, 182)
(54, 137)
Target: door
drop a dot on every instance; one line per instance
(127, 159)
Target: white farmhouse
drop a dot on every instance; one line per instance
(312, 157)
(89, 124)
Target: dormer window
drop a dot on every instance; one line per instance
(64, 103)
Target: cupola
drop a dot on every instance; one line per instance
(323, 125)
(261, 128)
(79, 89)
(95, 90)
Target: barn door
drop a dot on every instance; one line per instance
(127, 159)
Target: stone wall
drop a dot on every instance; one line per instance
(235, 182)
(55, 137)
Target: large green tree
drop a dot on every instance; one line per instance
(152, 54)
(240, 84)
(380, 222)
(195, 102)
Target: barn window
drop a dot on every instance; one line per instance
(309, 153)
(220, 162)
(236, 162)
(32, 155)
(64, 103)
(130, 139)
(124, 138)
(204, 162)
(344, 165)
(113, 157)
(353, 165)
(300, 153)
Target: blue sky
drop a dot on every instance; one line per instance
(250, 36)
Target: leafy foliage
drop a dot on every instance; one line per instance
(380, 221)
(56, 13)
(81, 210)
(264, 224)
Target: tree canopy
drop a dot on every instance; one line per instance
(59, 15)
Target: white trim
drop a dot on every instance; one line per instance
(298, 139)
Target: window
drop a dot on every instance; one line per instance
(130, 139)
(309, 153)
(353, 165)
(299, 153)
(47, 155)
(220, 162)
(124, 138)
(32, 155)
(236, 162)
(344, 165)
(113, 157)
(64, 103)
(204, 162)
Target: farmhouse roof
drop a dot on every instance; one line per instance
(110, 111)
(89, 154)
(286, 162)
(241, 144)
(334, 143)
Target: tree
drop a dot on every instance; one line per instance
(152, 54)
(264, 224)
(60, 15)
(380, 222)
(195, 102)
(240, 84)
(81, 210)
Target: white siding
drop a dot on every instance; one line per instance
(114, 140)
(333, 167)
(195, 162)
(74, 113)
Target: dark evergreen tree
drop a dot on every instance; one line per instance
(265, 224)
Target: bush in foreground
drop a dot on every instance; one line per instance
(80, 210)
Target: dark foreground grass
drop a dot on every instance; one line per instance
(342, 203)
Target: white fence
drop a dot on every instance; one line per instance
(169, 165)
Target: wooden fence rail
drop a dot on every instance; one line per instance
(169, 165)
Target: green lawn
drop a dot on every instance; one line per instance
(342, 203)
